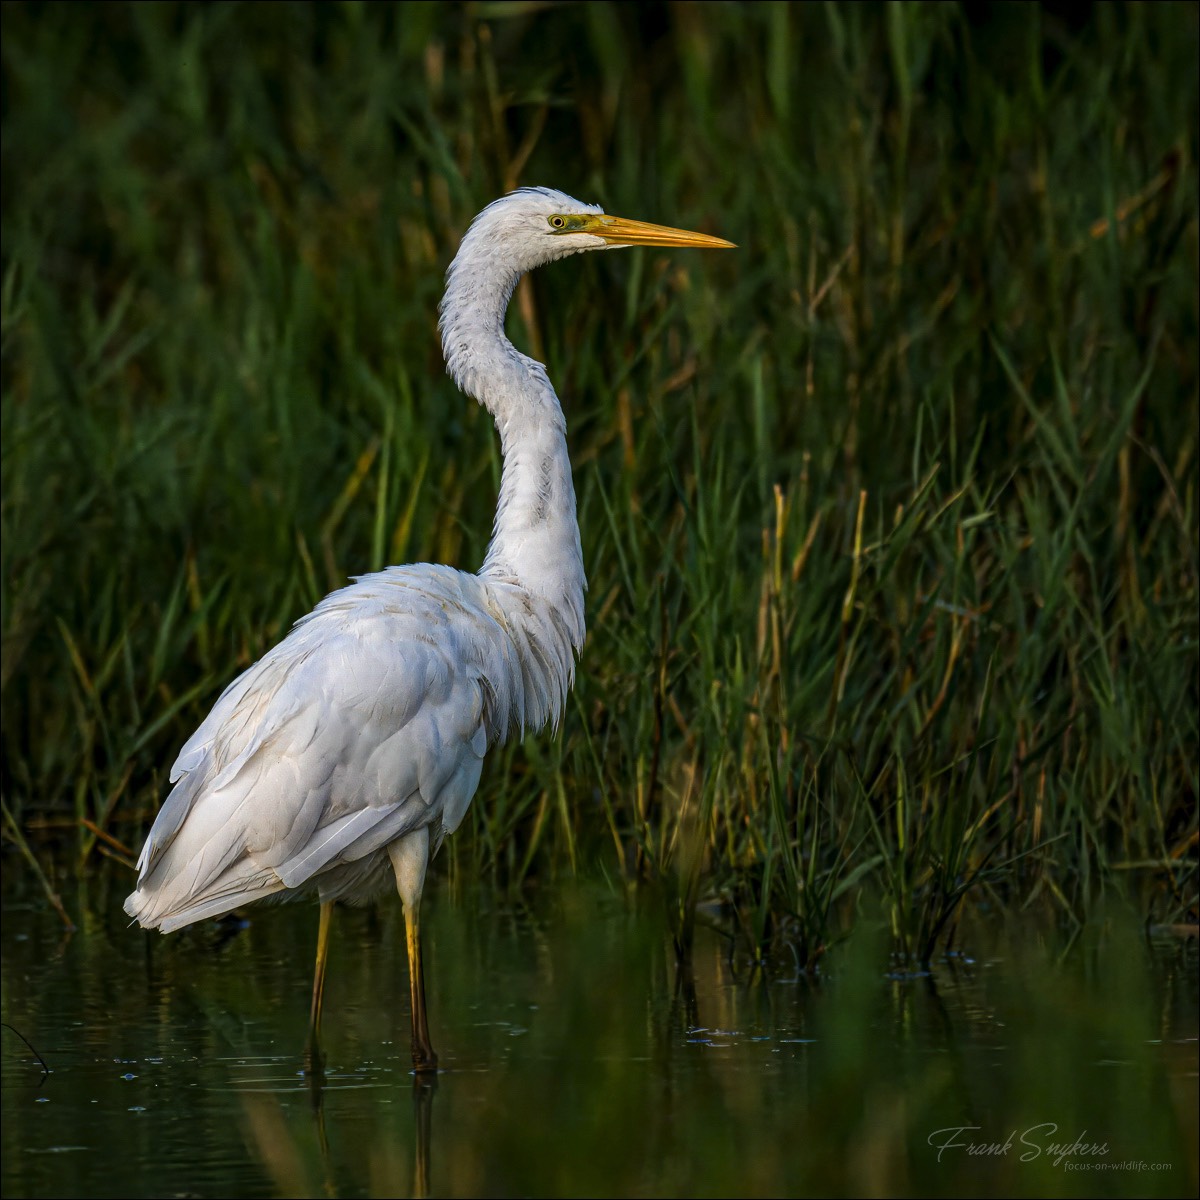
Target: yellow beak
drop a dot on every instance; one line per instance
(618, 231)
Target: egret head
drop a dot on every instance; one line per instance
(534, 226)
(523, 230)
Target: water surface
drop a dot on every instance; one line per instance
(576, 1061)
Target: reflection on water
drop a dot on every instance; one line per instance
(577, 1062)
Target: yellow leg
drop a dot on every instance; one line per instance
(423, 1056)
(410, 858)
(314, 1025)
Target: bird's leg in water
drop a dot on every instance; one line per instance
(410, 857)
(314, 1024)
(424, 1058)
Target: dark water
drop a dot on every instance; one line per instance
(577, 1063)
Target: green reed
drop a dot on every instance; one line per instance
(890, 516)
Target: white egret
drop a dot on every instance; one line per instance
(346, 754)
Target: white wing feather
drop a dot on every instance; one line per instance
(370, 720)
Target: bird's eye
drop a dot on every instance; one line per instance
(558, 222)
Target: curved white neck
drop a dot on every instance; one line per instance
(535, 538)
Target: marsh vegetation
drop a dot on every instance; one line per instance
(890, 518)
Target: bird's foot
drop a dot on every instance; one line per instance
(424, 1061)
(314, 1061)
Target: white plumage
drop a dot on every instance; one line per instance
(341, 759)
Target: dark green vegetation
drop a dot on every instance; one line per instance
(890, 516)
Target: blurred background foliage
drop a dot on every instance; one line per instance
(890, 516)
